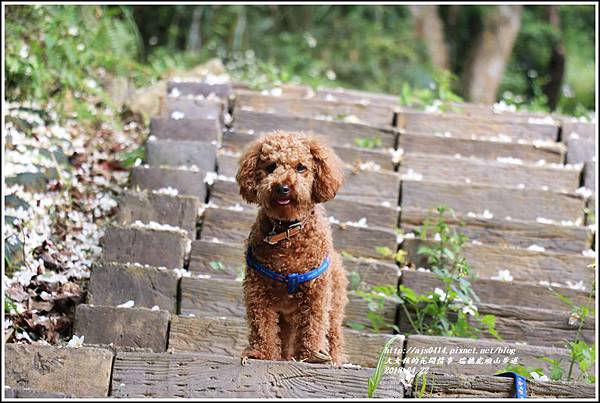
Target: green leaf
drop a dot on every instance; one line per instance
(375, 379)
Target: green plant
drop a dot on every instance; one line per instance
(398, 256)
(375, 379)
(438, 96)
(377, 298)
(367, 142)
(450, 310)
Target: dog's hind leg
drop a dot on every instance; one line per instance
(339, 299)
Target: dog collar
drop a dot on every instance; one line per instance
(292, 280)
(294, 229)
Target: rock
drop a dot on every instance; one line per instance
(83, 372)
(113, 284)
(132, 327)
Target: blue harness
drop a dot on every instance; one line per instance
(292, 280)
(520, 384)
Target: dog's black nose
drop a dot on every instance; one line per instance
(283, 189)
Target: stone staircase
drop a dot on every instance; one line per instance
(176, 249)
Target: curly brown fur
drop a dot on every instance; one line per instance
(306, 325)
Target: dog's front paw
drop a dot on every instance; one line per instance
(315, 357)
(250, 352)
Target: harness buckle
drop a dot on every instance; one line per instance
(292, 283)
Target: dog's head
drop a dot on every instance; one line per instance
(288, 173)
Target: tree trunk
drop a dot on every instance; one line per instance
(557, 60)
(430, 30)
(194, 39)
(491, 53)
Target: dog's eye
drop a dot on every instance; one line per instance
(271, 167)
(300, 168)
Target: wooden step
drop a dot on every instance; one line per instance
(204, 130)
(356, 96)
(181, 152)
(221, 297)
(148, 206)
(450, 355)
(580, 150)
(465, 126)
(500, 292)
(584, 130)
(480, 147)
(354, 239)
(187, 182)
(180, 108)
(375, 115)
(226, 260)
(498, 231)
(151, 246)
(194, 375)
(127, 327)
(524, 265)
(188, 87)
(229, 336)
(498, 173)
(486, 386)
(500, 202)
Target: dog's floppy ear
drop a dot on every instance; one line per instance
(246, 177)
(328, 171)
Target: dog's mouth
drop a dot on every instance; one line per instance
(283, 202)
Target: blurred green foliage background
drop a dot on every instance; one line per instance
(64, 52)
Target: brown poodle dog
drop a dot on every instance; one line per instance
(287, 175)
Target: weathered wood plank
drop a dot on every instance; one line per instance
(193, 375)
(524, 265)
(375, 115)
(363, 242)
(207, 130)
(477, 171)
(486, 386)
(540, 327)
(589, 175)
(178, 152)
(112, 284)
(227, 163)
(523, 234)
(228, 262)
(227, 225)
(500, 202)
(356, 96)
(222, 297)
(370, 187)
(179, 108)
(158, 248)
(480, 148)
(282, 90)
(186, 87)
(82, 372)
(132, 327)
(34, 394)
(580, 150)
(384, 215)
(338, 133)
(500, 292)
(583, 130)
(187, 182)
(178, 211)
(465, 126)
(450, 355)
(229, 336)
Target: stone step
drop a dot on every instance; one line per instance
(480, 147)
(464, 126)
(375, 115)
(534, 326)
(223, 297)
(502, 293)
(149, 206)
(53, 370)
(501, 202)
(113, 284)
(524, 265)
(156, 247)
(180, 108)
(226, 260)
(185, 129)
(125, 327)
(488, 387)
(188, 87)
(359, 241)
(195, 375)
(340, 134)
(498, 173)
(497, 231)
(229, 336)
(182, 153)
(187, 182)
(451, 355)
